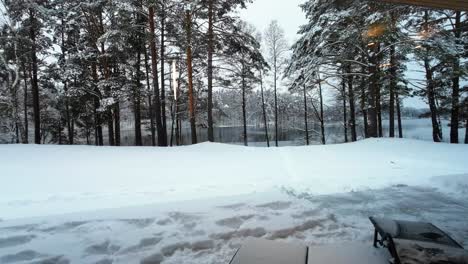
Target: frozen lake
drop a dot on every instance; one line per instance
(294, 136)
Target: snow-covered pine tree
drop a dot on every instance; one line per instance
(33, 17)
(350, 40)
(219, 16)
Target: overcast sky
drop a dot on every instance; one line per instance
(288, 13)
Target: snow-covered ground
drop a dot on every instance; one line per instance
(197, 204)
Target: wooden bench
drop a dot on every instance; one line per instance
(260, 251)
(417, 242)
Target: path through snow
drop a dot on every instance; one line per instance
(183, 233)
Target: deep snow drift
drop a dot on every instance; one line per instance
(197, 204)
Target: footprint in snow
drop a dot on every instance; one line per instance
(28, 228)
(144, 243)
(234, 222)
(241, 233)
(164, 222)
(276, 205)
(306, 214)
(183, 218)
(105, 248)
(153, 259)
(63, 227)
(26, 255)
(232, 206)
(53, 260)
(196, 246)
(140, 223)
(15, 241)
(104, 261)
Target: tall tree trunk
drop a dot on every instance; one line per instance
(439, 120)
(322, 120)
(276, 102)
(172, 106)
(65, 87)
(73, 128)
(110, 117)
(25, 106)
(436, 130)
(34, 79)
(392, 87)
(137, 116)
(352, 106)
(11, 85)
(150, 102)
(107, 74)
(110, 127)
(306, 114)
(172, 85)
(378, 97)
(466, 131)
(59, 131)
(431, 96)
(177, 115)
(17, 133)
(99, 141)
(373, 96)
(265, 121)
(98, 136)
(398, 105)
(154, 63)
(87, 132)
(345, 111)
(210, 70)
(163, 77)
(117, 123)
(17, 111)
(364, 109)
(139, 48)
(173, 120)
(456, 86)
(68, 116)
(137, 101)
(379, 115)
(70, 128)
(193, 125)
(244, 111)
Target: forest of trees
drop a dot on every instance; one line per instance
(364, 47)
(72, 72)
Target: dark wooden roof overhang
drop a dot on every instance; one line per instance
(459, 5)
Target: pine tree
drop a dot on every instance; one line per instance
(33, 17)
(219, 13)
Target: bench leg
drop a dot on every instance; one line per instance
(393, 251)
(376, 236)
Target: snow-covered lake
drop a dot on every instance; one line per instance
(197, 204)
(294, 135)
